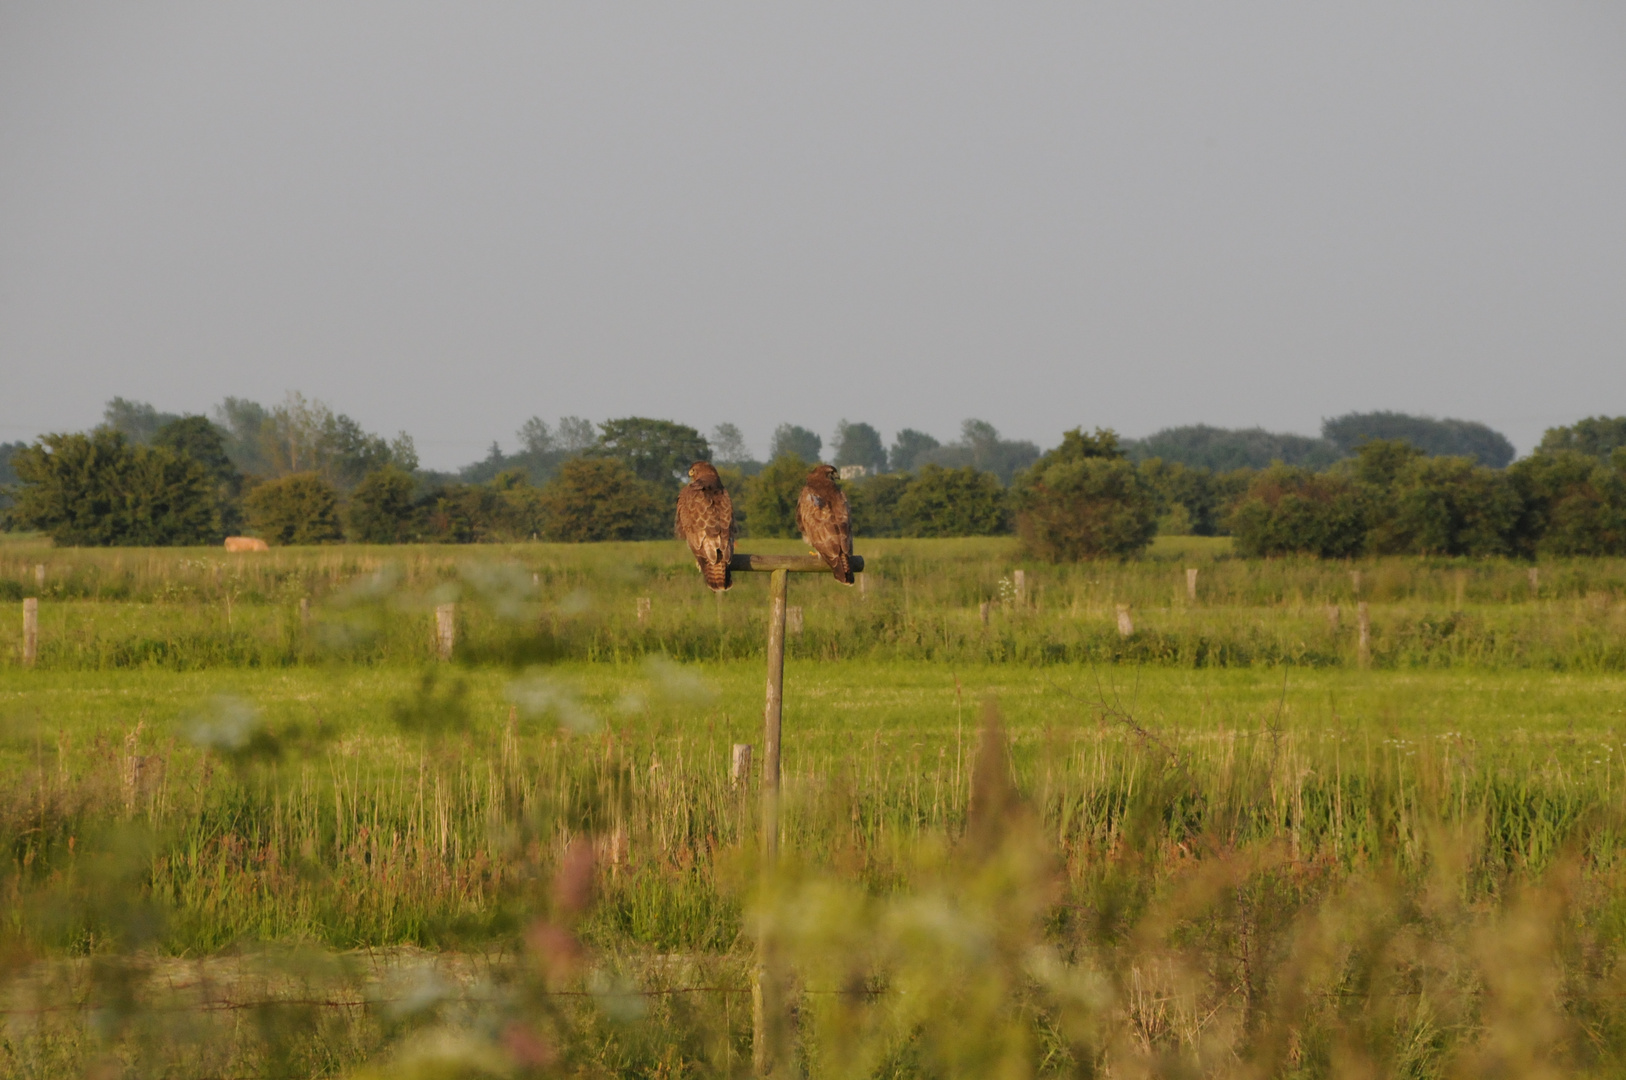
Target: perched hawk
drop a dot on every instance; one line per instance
(705, 519)
(821, 514)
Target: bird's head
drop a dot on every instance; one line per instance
(828, 472)
(704, 474)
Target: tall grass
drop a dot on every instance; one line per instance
(191, 610)
(445, 890)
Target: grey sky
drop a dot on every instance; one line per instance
(447, 218)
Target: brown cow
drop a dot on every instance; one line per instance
(245, 543)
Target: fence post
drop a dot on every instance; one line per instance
(31, 631)
(445, 630)
(982, 611)
(1535, 583)
(1191, 584)
(39, 575)
(1019, 580)
(739, 766)
(1363, 624)
(643, 605)
(1126, 625)
(771, 714)
(767, 1007)
(793, 621)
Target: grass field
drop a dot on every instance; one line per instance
(251, 840)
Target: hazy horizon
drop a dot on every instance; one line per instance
(448, 219)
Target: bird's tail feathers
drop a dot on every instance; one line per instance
(718, 576)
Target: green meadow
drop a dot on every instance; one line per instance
(256, 828)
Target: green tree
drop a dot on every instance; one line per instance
(1447, 506)
(981, 448)
(859, 444)
(1291, 510)
(908, 447)
(1440, 438)
(770, 505)
(603, 499)
(98, 490)
(657, 451)
(382, 509)
(952, 502)
(302, 508)
(1189, 501)
(792, 439)
(137, 421)
(1084, 500)
(1200, 446)
(1596, 436)
(874, 500)
(1571, 504)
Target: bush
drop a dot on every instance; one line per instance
(381, 509)
(1571, 505)
(770, 505)
(97, 490)
(874, 503)
(301, 508)
(602, 499)
(952, 502)
(1445, 506)
(1084, 500)
(1290, 510)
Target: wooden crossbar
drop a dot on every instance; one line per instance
(796, 564)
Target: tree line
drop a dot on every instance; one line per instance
(299, 473)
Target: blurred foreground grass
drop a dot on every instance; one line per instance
(230, 860)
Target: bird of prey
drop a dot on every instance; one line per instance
(705, 519)
(826, 524)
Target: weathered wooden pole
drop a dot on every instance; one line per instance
(770, 1019)
(31, 631)
(445, 630)
(739, 766)
(772, 713)
(1191, 584)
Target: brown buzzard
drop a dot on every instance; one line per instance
(705, 519)
(821, 514)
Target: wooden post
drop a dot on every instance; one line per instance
(1333, 617)
(770, 1019)
(1535, 583)
(1019, 580)
(771, 714)
(1191, 584)
(982, 611)
(793, 621)
(1126, 625)
(1355, 582)
(739, 765)
(39, 575)
(445, 630)
(863, 586)
(1363, 625)
(31, 631)
(644, 604)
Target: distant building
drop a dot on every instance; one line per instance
(852, 472)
